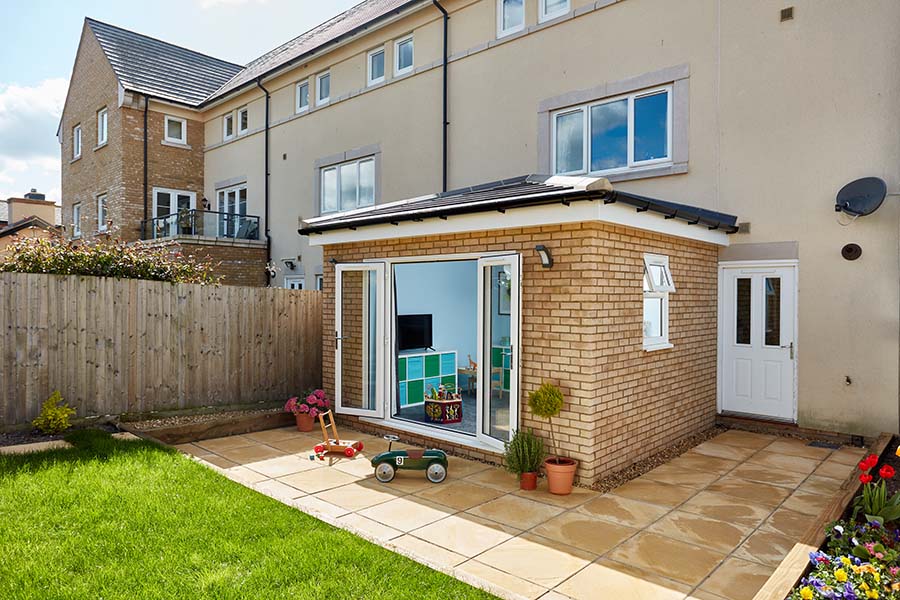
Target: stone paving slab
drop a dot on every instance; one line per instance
(35, 447)
(711, 524)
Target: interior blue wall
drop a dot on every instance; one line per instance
(447, 290)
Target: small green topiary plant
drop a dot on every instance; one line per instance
(524, 453)
(54, 417)
(546, 402)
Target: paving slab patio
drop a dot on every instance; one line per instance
(711, 524)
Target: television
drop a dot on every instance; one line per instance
(414, 332)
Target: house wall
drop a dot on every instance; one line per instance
(779, 116)
(582, 330)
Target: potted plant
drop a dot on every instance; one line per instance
(307, 409)
(546, 402)
(523, 456)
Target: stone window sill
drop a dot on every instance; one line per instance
(77, 158)
(176, 145)
(655, 347)
(103, 145)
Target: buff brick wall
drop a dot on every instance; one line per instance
(582, 329)
(238, 264)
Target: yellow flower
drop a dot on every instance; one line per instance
(877, 576)
(864, 586)
(806, 593)
(840, 575)
(845, 561)
(871, 594)
(898, 451)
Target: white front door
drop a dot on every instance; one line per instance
(758, 343)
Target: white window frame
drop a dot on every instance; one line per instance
(294, 279)
(171, 140)
(370, 81)
(226, 120)
(102, 214)
(337, 169)
(543, 15)
(515, 28)
(319, 100)
(243, 110)
(76, 220)
(320, 282)
(631, 163)
(102, 126)
(76, 142)
(662, 292)
(173, 194)
(397, 70)
(297, 107)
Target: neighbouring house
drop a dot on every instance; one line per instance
(31, 216)
(763, 110)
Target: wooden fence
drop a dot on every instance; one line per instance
(125, 346)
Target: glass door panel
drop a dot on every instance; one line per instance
(359, 339)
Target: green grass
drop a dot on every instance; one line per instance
(115, 519)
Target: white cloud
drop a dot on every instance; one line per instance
(29, 151)
(216, 3)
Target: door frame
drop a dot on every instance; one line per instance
(720, 321)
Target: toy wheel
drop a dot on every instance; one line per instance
(349, 451)
(319, 449)
(436, 472)
(359, 446)
(385, 472)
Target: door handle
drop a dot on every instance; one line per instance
(791, 346)
(338, 338)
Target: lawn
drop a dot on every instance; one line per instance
(116, 519)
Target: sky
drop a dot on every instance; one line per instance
(40, 39)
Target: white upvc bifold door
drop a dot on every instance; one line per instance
(498, 364)
(359, 339)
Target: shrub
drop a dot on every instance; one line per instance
(546, 402)
(104, 259)
(524, 453)
(54, 417)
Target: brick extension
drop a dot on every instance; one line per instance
(582, 329)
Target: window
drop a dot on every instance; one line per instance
(76, 219)
(102, 215)
(403, 56)
(243, 117)
(302, 96)
(510, 16)
(550, 9)
(233, 221)
(102, 121)
(171, 202)
(176, 130)
(658, 283)
(228, 126)
(614, 134)
(320, 282)
(348, 185)
(293, 282)
(323, 89)
(375, 60)
(76, 142)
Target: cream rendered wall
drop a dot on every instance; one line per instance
(781, 115)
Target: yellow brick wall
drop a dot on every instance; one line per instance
(582, 330)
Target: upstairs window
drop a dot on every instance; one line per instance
(76, 142)
(102, 215)
(323, 89)
(293, 282)
(76, 219)
(510, 16)
(550, 9)
(302, 99)
(614, 135)
(348, 186)
(403, 56)
(102, 122)
(228, 126)
(243, 118)
(658, 284)
(375, 69)
(176, 130)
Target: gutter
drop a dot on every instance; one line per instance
(266, 212)
(445, 124)
(146, 200)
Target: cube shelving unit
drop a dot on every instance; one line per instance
(419, 372)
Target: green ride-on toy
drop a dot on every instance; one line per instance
(433, 462)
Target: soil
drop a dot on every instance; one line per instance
(14, 438)
(175, 421)
(889, 457)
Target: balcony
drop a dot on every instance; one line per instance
(202, 223)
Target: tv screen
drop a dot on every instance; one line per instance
(414, 332)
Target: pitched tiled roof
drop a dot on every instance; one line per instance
(150, 66)
(328, 32)
(25, 223)
(528, 190)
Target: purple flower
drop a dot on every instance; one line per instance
(818, 557)
(849, 592)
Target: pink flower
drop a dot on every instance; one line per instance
(879, 555)
(290, 405)
(314, 412)
(303, 408)
(320, 394)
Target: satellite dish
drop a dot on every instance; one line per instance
(861, 197)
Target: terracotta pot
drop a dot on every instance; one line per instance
(304, 422)
(528, 481)
(560, 474)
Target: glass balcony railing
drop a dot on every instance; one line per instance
(205, 223)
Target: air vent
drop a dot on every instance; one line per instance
(787, 14)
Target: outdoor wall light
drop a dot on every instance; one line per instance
(546, 258)
(289, 263)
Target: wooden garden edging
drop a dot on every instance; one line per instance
(192, 432)
(791, 569)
